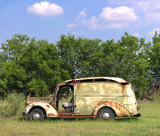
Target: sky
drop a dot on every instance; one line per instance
(103, 19)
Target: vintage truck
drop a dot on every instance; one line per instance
(94, 97)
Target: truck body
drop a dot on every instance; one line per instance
(93, 97)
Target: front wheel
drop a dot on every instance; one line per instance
(106, 114)
(36, 115)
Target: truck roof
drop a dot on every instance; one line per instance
(116, 79)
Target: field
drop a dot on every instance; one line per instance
(148, 124)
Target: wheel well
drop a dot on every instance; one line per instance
(38, 107)
(108, 108)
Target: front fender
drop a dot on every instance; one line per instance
(119, 110)
(50, 111)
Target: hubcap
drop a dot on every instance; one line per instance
(105, 116)
(36, 116)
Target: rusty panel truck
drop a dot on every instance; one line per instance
(94, 97)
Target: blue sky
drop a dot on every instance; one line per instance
(103, 19)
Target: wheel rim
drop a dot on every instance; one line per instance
(105, 116)
(36, 116)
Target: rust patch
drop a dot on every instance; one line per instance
(39, 98)
(47, 106)
(50, 114)
(40, 101)
(61, 84)
(119, 109)
(123, 88)
(77, 116)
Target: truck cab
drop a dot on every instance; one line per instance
(104, 98)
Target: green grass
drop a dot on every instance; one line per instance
(147, 125)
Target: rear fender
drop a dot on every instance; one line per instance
(50, 111)
(119, 110)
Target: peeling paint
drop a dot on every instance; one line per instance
(50, 111)
(120, 110)
(90, 95)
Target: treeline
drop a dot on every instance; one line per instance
(37, 66)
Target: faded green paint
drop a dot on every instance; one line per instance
(88, 95)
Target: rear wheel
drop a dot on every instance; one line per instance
(106, 114)
(36, 115)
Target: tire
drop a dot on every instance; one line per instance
(36, 115)
(106, 114)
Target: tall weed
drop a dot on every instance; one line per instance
(155, 96)
(13, 105)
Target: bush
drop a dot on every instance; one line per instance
(12, 105)
(155, 96)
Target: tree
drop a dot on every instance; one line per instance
(37, 66)
(30, 65)
(123, 59)
(87, 57)
(154, 57)
(66, 50)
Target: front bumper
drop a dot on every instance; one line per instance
(137, 115)
(23, 113)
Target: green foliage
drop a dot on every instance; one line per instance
(37, 66)
(12, 105)
(154, 56)
(66, 51)
(87, 57)
(155, 96)
(31, 66)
